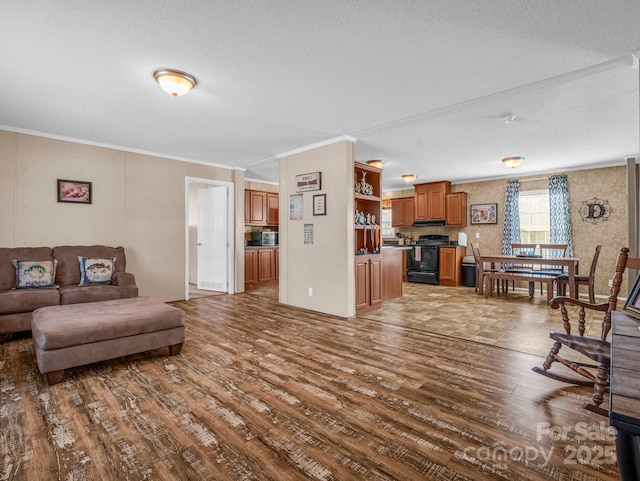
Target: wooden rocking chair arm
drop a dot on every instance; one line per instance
(556, 301)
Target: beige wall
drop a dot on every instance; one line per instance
(326, 266)
(138, 202)
(606, 183)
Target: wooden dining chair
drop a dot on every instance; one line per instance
(475, 248)
(589, 280)
(550, 251)
(519, 249)
(595, 348)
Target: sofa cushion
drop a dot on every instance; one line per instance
(93, 293)
(68, 271)
(32, 274)
(7, 256)
(96, 270)
(26, 300)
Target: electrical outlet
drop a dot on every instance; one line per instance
(477, 235)
(610, 282)
(311, 291)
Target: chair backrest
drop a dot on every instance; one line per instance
(475, 248)
(523, 249)
(553, 250)
(623, 261)
(594, 262)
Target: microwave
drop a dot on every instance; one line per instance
(264, 238)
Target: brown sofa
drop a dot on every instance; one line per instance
(16, 305)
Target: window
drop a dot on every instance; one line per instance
(385, 224)
(534, 217)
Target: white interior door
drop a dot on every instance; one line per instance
(213, 246)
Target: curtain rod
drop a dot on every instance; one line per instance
(531, 180)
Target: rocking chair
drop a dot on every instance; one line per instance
(597, 349)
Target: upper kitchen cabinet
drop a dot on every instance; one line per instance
(402, 212)
(430, 200)
(261, 208)
(456, 203)
(273, 208)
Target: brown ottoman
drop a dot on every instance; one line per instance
(78, 334)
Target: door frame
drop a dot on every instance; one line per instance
(231, 274)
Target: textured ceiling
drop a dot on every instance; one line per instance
(420, 84)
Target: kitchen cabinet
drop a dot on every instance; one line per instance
(368, 283)
(456, 203)
(273, 208)
(260, 266)
(393, 269)
(261, 208)
(250, 266)
(402, 212)
(430, 200)
(247, 206)
(266, 265)
(450, 271)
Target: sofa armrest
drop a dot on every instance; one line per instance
(124, 279)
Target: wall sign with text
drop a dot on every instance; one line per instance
(308, 182)
(595, 210)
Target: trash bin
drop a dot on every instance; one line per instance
(468, 271)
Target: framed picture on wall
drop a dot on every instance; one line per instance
(484, 213)
(320, 204)
(76, 191)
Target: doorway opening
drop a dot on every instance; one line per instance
(209, 237)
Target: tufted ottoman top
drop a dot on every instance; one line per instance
(56, 327)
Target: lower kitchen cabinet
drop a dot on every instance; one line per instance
(393, 269)
(260, 267)
(250, 266)
(368, 282)
(451, 265)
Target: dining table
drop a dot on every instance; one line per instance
(571, 263)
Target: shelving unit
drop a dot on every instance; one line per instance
(368, 269)
(368, 205)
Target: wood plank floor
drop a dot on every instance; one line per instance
(267, 392)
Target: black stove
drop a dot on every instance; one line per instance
(423, 259)
(433, 240)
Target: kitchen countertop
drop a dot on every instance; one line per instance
(400, 248)
(261, 247)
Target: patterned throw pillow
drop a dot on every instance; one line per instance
(30, 274)
(96, 270)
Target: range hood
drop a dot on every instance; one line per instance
(428, 223)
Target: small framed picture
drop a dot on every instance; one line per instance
(632, 306)
(76, 191)
(484, 213)
(320, 204)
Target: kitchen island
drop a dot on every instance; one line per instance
(394, 270)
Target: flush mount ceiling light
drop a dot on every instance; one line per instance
(409, 177)
(512, 162)
(508, 118)
(376, 163)
(175, 82)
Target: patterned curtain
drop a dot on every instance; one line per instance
(559, 213)
(511, 226)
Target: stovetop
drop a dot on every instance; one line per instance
(433, 240)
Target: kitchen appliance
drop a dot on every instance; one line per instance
(423, 259)
(266, 238)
